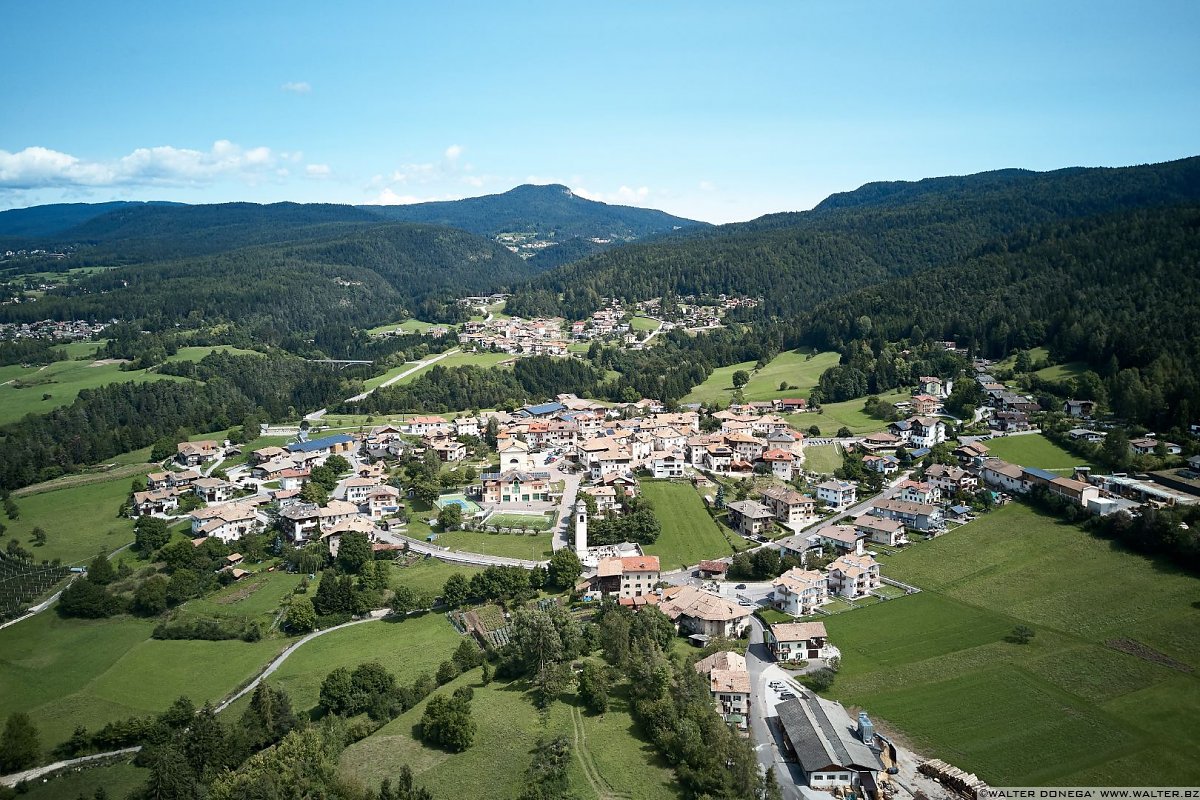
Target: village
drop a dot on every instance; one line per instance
(569, 465)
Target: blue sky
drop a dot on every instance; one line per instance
(717, 111)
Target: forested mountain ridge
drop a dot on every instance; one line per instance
(155, 232)
(884, 230)
(1118, 292)
(358, 276)
(48, 220)
(552, 210)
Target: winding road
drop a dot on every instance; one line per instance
(38, 772)
(419, 366)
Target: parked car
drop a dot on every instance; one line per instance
(740, 586)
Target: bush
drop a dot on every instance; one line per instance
(447, 723)
(209, 629)
(820, 680)
(446, 672)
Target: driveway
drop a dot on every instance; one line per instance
(566, 505)
(764, 722)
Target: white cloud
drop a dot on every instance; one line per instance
(297, 87)
(453, 152)
(317, 170)
(390, 198)
(707, 186)
(40, 167)
(626, 196)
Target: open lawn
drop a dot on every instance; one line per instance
(407, 648)
(430, 574)
(607, 759)
(1061, 372)
(118, 780)
(1034, 450)
(83, 349)
(88, 672)
(1036, 354)
(792, 367)
(456, 360)
(62, 380)
(1065, 709)
(78, 521)
(823, 458)
(643, 324)
(533, 547)
(848, 414)
(197, 353)
(539, 522)
(408, 326)
(256, 596)
(689, 534)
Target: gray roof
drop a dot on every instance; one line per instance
(749, 508)
(822, 734)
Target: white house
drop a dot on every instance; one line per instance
(668, 464)
(795, 641)
(838, 494)
(853, 575)
(799, 591)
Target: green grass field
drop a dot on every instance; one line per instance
(84, 349)
(1036, 354)
(849, 414)
(823, 458)
(407, 648)
(257, 596)
(689, 534)
(456, 360)
(408, 326)
(618, 765)
(88, 672)
(1062, 710)
(197, 353)
(643, 324)
(78, 521)
(63, 381)
(792, 367)
(119, 780)
(1034, 450)
(533, 547)
(429, 574)
(1061, 372)
(539, 522)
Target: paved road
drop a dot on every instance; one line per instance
(457, 556)
(566, 506)
(767, 746)
(37, 772)
(279, 659)
(32, 774)
(419, 365)
(39, 608)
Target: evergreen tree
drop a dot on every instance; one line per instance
(20, 747)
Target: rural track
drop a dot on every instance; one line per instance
(600, 786)
(38, 772)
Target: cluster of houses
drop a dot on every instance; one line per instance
(52, 329)
(536, 337)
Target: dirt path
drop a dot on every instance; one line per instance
(600, 786)
(68, 481)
